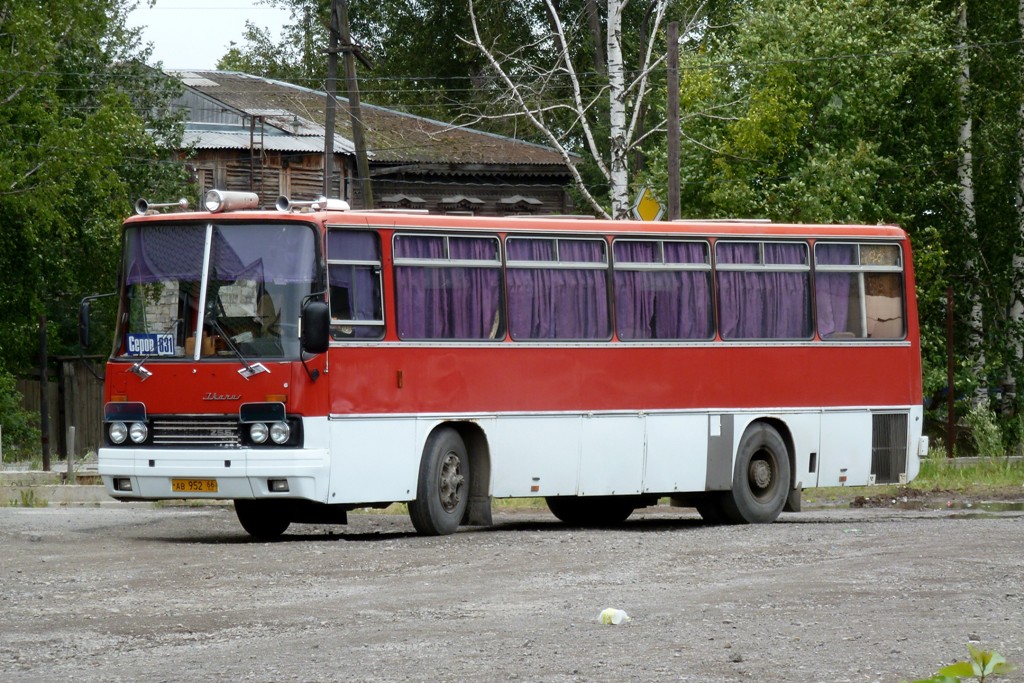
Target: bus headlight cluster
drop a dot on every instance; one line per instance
(278, 432)
(119, 432)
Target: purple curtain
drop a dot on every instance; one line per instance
(832, 290)
(164, 252)
(284, 254)
(449, 301)
(763, 304)
(669, 304)
(558, 303)
(355, 288)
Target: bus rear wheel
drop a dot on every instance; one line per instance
(264, 519)
(443, 491)
(761, 478)
(592, 510)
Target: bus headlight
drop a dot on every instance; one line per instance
(138, 432)
(258, 432)
(118, 432)
(280, 432)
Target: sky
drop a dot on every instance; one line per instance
(194, 34)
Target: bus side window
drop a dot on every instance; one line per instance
(763, 290)
(859, 291)
(448, 287)
(354, 278)
(558, 288)
(662, 290)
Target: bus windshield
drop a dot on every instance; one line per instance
(215, 286)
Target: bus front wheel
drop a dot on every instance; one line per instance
(264, 519)
(761, 478)
(443, 491)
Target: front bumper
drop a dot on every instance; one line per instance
(147, 474)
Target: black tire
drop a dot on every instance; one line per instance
(592, 510)
(264, 519)
(761, 478)
(443, 491)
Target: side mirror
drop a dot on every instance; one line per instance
(84, 311)
(316, 327)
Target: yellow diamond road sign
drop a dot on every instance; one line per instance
(647, 207)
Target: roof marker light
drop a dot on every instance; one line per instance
(217, 201)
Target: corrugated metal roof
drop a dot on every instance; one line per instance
(392, 137)
(222, 139)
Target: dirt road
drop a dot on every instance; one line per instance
(132, 592)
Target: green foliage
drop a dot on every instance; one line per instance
(420, 64)
(938, 472)
(797, 115)
(27, 498)
(985, 431)
(982, 665)
(84, 127)
(18, 427)
(836, 111)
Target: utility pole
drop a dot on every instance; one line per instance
(673, 121)
(332, 103)
(44, 394)
(355, 111)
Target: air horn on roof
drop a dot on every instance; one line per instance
(286, 205)
(142, 207)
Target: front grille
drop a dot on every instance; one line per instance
(888, 447)
(194, 431)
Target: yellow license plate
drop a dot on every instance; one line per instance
(194, 485)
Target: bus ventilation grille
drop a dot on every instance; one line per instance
(193, 432)
(888, 447)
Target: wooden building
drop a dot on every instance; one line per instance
(257, 134)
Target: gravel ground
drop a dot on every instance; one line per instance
(136, 592)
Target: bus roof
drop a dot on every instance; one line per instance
(392, 219)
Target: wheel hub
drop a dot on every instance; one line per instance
(760, 474)
(451, 482)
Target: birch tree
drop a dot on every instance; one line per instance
(597, 112)
(965, 176)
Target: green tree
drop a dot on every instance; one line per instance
(420, 65)
(828, 111)
(987, 266)
(83, 127)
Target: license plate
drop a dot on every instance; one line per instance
(194, 485)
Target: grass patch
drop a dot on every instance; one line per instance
(27, 498)
(940, 473)
(989, 477)
(519, 504)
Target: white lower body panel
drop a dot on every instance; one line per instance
(355, 460)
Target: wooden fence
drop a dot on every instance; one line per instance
(75, 399)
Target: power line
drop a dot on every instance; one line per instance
(587, 74)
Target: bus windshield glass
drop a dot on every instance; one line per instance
(215, 286)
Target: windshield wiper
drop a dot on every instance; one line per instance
(248, 369)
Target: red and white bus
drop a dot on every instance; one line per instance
(304, 363)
